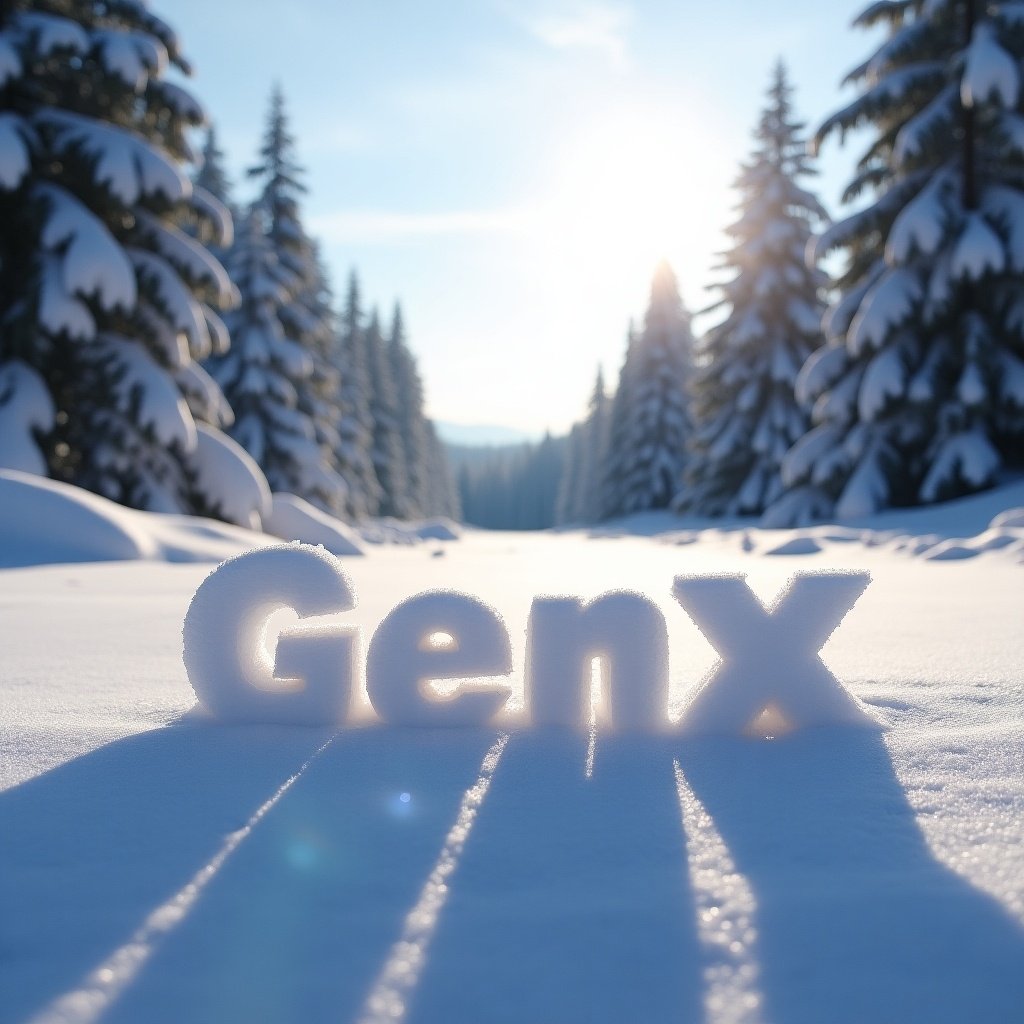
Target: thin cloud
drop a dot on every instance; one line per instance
(600, 28)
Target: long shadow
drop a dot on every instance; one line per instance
(91, 847)
(572, 902)
(856, 919)
(297, 925)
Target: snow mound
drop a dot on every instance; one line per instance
(802, 545)
(439, 528)
(293, 518)
(388, 531)
(1012, 518)
(44, 522)
(990, 540)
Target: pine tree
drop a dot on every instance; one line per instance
(581, 487)
(595, 449)
(105, 302)
(567, 502)
(264, 369)
(211, 180)
(650, 443)
(412, 421)
(619, 448)
(387, 454)
(442, 490)
(918, 394)
(212, 177)
(305, 315)
(355, 425)
(745, 412)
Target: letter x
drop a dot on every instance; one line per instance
(769, 656)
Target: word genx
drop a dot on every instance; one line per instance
(768, 657)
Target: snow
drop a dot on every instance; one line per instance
(130, 166)
(14, 158)
(919, 225)
(44, 521)
(969, 456)
(51, 32)
(1012, 517)
(182, 310)
(796, 546)
(293, 518)
(25, 404)
(156, 867)
(229, 477)
(438, 528)
(93, 263)
(887, 303)
(439, 635)
(60, 312)
(194, 261)
(236, 676)
(142, 381)
(988, 70)
(769, 654)
(626, 633)
(121, 56)
(978, 250)
(10, 62)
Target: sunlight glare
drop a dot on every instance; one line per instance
(638, 185)
(388, 999)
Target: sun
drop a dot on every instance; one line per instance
(635, 185)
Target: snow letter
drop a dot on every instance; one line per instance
(769, 657)
(226, 655)
(627, 632)
(439, 635)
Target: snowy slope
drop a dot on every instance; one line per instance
(155, 868)
(44, 521)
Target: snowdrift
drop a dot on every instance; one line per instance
(43, 521)
(293, 518)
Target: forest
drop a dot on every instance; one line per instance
(173, 349)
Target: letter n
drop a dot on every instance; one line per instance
(627, 632)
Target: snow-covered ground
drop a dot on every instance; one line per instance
(154, 867)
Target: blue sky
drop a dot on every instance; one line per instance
(512, 170)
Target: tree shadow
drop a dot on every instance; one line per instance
(90, 847)
(856, 919)
(292, 926)
(297, 925)
(572, 900)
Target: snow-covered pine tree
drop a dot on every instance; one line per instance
(211, 174)
(212, 178)
(262, 372)
(355, 425)
(442, 489)
(744, 409)
(105, 302)
(567, 501)
(412, 421)
(321, 399)
(388, 456)
(649, 464)
(595, 448)
(581, 486)
(619, 445)
(918, 394)
(306, 316)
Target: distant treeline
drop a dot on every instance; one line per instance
(511, 487)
